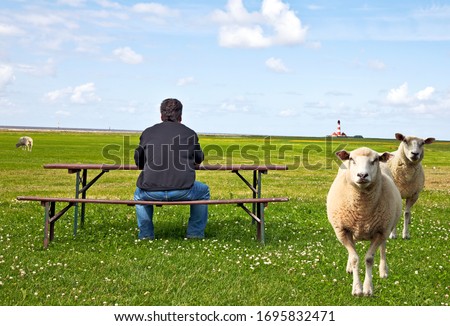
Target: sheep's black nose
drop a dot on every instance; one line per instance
(362, 175)
(415, 153)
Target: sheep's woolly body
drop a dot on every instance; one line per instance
(25, 142)
(363, 213)
(363, 210)
(407, 172)
(409, 177)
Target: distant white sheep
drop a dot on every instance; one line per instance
(25, 142)
(407, 172)
(363, 204)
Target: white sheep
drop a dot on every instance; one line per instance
(407, 172)
(25, 142)
(363, 204)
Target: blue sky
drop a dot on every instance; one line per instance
(271, 67)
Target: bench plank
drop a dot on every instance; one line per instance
(51, 216)
(156, 203)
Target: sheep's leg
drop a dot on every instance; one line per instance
(353, 264)
(393, 234)
(346, 238)
(376, 242)
(383, 264)
(407, 216)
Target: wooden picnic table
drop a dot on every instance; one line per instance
(82, 184)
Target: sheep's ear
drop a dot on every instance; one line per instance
(386, 156)
(343, 155)
(399, 136)
(429, 140)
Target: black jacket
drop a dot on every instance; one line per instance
(167, 155)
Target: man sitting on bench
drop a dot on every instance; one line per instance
(167, 155)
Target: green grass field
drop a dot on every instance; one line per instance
(301, 264)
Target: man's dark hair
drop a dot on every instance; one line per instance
(171, 110)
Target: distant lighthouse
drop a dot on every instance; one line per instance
(338, 132)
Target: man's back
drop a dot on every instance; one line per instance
(167, 153)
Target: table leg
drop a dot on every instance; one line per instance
(260, 209)
(260, 233)
(77, 193)
(83, 195)
(46, 222)
(52, 212)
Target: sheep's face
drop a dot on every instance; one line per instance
(363, 165)
(413, 147)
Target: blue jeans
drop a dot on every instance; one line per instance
(198, 213)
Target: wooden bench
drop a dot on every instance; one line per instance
(51, 216)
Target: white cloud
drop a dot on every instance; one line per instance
(81, 94)
(6, 76)
(287, 25)
(240, 36)
(10, 30)
(154, 9)
(425, 101)
(401, 95)
(438, 107)
(56, 95)
(274, 24)
(127, 55)
(236, 13)
(185, 81)
(276, 65)
(84, 93)
(398, 95)
(425, 94)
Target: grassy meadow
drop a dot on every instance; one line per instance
(301, 264)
